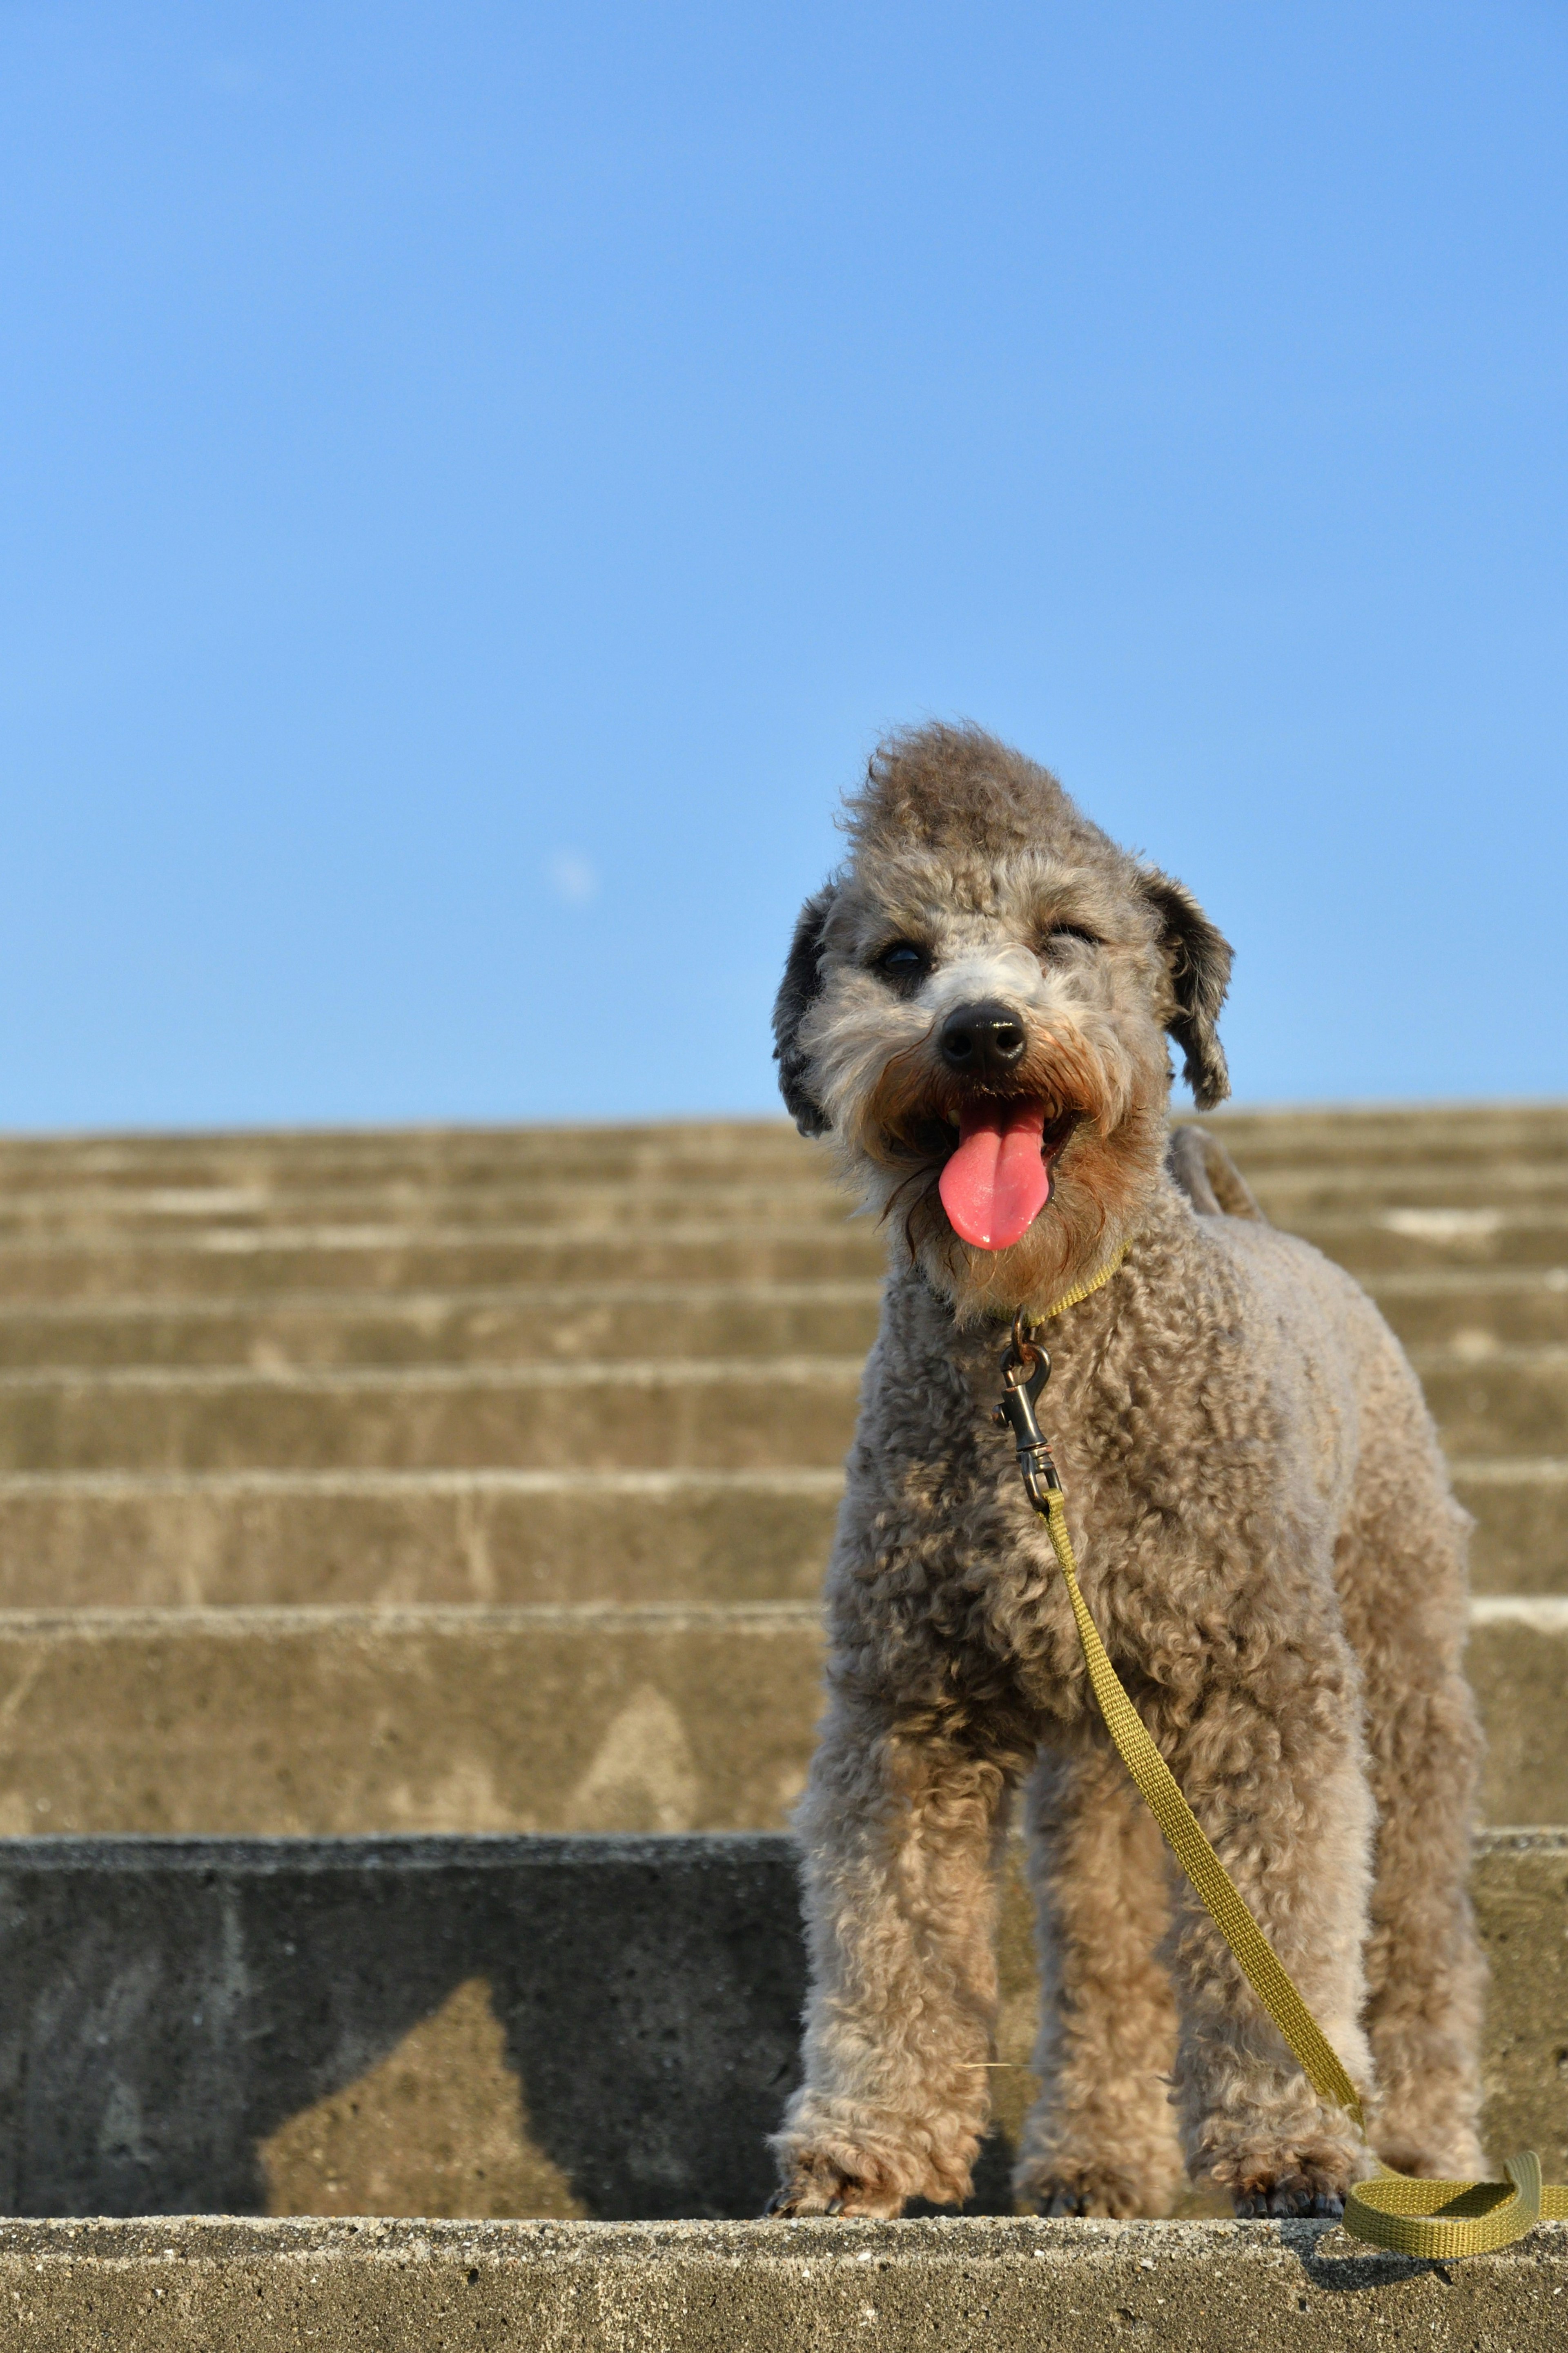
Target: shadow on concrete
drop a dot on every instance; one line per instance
(166, 2004)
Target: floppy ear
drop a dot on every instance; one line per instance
(1198, 958)
(801, 983)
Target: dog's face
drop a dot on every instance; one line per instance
(976, 1010)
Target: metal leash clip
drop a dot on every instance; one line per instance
(1026, 1369)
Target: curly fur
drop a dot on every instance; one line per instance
(1267, 1541)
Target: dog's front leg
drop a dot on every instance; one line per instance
(901, 1835)
(1275, 1772)
(1102, 2139)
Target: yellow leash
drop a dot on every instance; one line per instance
(1437, 2220)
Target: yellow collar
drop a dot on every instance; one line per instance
(1085, 1290)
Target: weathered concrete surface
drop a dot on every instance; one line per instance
(646, 1414)
(653, 1413)
(1472, 1313)
(323, 1722)
(1509, 1401)
(639, 1150)
(585, 1205)
(1520, 1885)
(1415, 1136)
(1415, 1238)
(166, 1539)
(597, 1200)
(333, 1329)
(489, 2026)
(174, 2011)
(215, 1538)
(327, 1721)
(414, 1257)
(1477, 1310)
(949, 2286)
(1521, 1508)
(1517, 1663)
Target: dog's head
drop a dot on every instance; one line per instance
(977, 1010)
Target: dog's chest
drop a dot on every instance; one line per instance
(957, 1568)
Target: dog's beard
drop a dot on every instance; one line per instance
(1102, 1136)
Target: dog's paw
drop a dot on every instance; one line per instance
(820, 2188)
(1296, 2187)
(1095, 2189)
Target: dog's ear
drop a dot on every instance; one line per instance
(801, 983)
(1198, 959)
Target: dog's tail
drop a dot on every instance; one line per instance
(1209, 1177)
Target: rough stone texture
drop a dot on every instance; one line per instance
(951, 2286)
(334, 1329)
(691, 1415)
(1518, 1662)
(1521, 1510)
(681, 1717)
(1521, 1905)
(318, 1722)
(1507, 1400)
(168, 1539)
(1477, 1311)
(228, 1264)
(163, 1539)
(485, 2026)
(175, 2010)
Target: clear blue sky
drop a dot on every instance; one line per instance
(478, 478)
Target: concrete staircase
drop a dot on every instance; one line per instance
(478, 1482)
(473, 1482)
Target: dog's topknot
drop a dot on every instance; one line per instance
(954, 789)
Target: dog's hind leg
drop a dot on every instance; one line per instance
(1400, 1566)
(1102, 2138)
(903, 1838)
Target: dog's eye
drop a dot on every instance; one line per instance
(1056, 931)
(902, 961)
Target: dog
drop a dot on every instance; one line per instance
(975, 1011)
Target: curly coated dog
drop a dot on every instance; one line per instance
(975, 1011)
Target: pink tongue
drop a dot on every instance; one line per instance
(995, 1185)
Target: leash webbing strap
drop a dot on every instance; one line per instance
(1435, 2219)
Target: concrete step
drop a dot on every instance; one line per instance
(1474, 1310)
(327, 1721)
(1397, 1241)
(163, 1539)
(603, 1201)
(1501, 1400)
(1521, 1510)
(1414, 1135)
(1289, 1194)
(684, 1413)
(346, 1328)
(98, 1538)
(604, 2028)
(279, 1158)
(582, 1206)
(323, 1721)
(692, 1415)
(967, 2287)
(1472, 1313)
(217, 1265)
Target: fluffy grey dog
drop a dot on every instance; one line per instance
(976, 1011)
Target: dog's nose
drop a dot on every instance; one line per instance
(983, 1041)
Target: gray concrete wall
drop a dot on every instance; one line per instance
(570, 2026)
